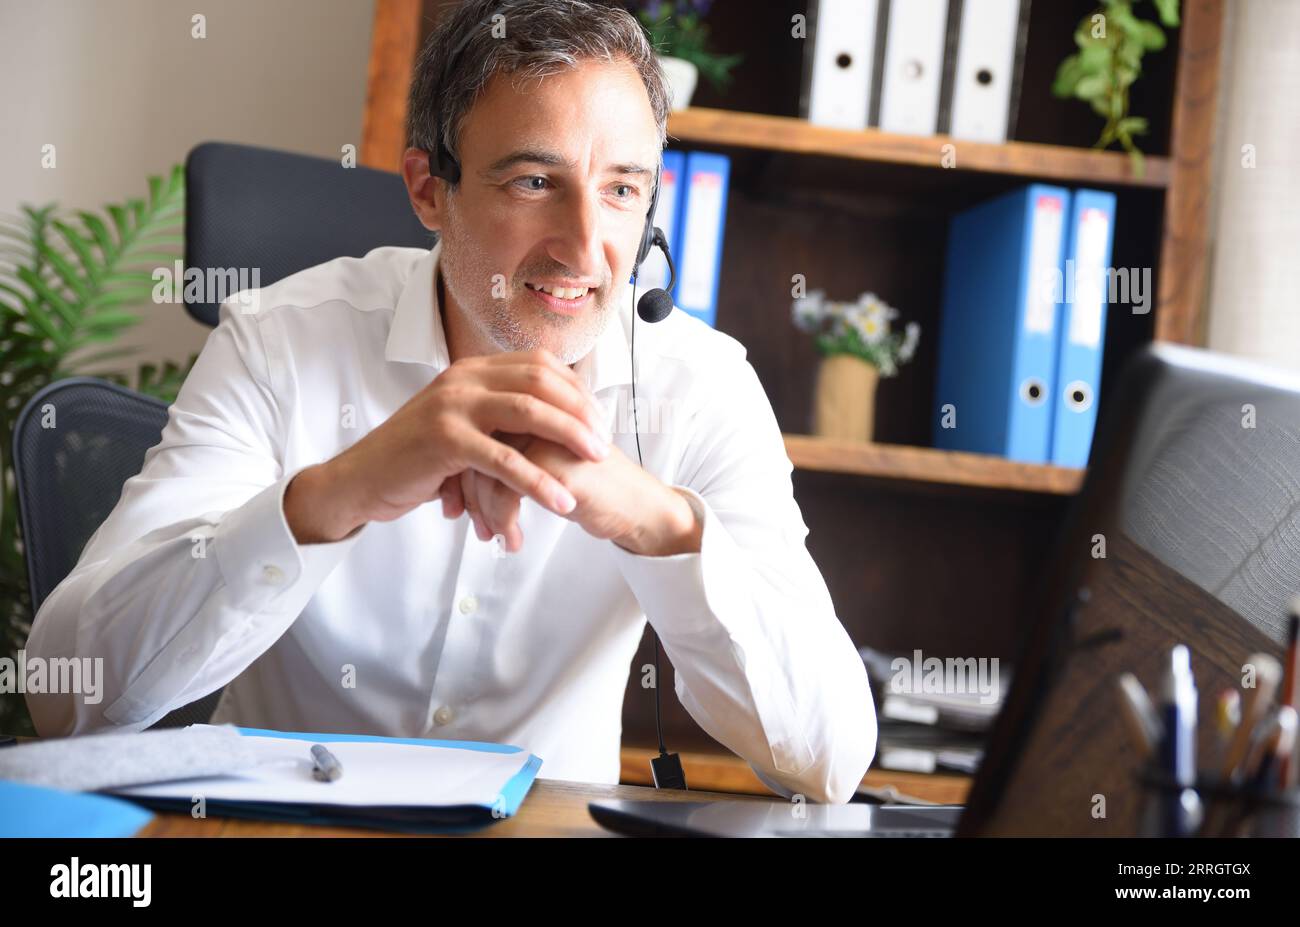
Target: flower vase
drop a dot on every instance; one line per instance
(844, 405)
(682, 77)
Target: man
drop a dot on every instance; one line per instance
(278, 541)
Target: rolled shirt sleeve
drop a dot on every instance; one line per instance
(196, 572)
(762, 661)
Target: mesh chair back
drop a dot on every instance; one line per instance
(76, 442)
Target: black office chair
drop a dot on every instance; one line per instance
(76, 442)
(281, 213)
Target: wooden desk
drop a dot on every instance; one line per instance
(553, 808)
(558, 808)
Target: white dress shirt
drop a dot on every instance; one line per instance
(414, 627)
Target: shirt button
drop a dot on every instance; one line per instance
(443, 715)
(468, 605)
(272, 574)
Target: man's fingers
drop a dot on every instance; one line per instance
(473, 487)
(502, 505)
(498, 509)
(524, 413)
(470, 493)
(453, 500)
(540, 380)
(516, 471)
(541, 355)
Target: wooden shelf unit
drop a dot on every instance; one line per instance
(919, 547)
(1058, 163)
(928, 465)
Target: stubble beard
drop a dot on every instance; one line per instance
(518, 322)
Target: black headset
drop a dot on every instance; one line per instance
(654, 306)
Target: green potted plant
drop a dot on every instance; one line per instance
(66, 282)
(1112, 41)
(858, 347)
(681, 38)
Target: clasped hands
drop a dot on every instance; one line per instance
(615, 498)
(486, 432)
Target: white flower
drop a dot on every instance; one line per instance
(839, 325)
(872, 329)
(911, 335)
(809, 311)
(877, 308)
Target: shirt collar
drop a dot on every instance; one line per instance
(417, 334)
(607, 364)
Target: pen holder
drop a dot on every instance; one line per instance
(1214, 807)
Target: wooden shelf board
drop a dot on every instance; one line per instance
(1021, 159)
(928, 465)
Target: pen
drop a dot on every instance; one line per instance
(1278, 739)
(1286, 769)
(1227, 715)
(1228, 712)
(325, 765)
(1263, 766)
(1138, 713)
(1178, 708)
(1288, 731)
(1178, 745)
(1268, 675)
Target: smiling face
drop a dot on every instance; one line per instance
(556, 180)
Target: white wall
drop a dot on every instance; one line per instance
(1255, 219)
(123, 91)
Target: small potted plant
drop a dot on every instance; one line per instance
(1112, 41)
(858, 347)
(681, 39)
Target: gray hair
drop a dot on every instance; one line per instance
(541, 37)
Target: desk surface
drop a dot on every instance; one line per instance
(553, 808)
(558, 808)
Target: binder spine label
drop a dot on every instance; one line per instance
(1089, 292)
(1044, 265)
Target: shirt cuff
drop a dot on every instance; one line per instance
(699, 602)
(260, 559)
(687, 594)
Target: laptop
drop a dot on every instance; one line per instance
(1187, 530)
(777, 818)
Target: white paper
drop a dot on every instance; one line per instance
(374, 774)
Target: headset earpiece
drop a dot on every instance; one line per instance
(648, 233)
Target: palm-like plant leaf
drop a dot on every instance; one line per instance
(65, 285)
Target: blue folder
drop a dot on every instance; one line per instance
(35, 811)
(704, 220)
(1083, 326)
(438, 819)
(998, 332)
